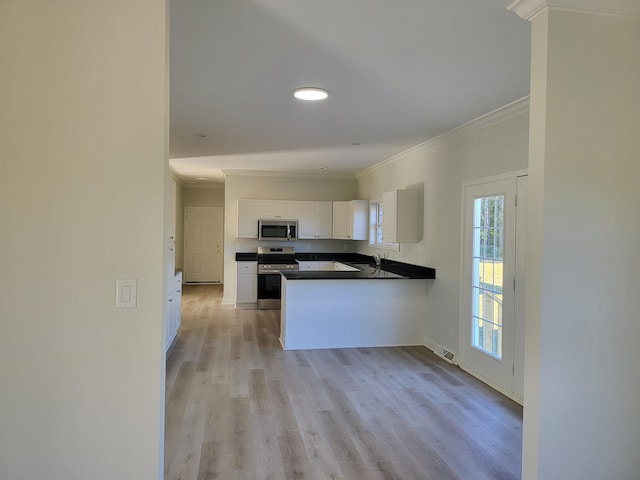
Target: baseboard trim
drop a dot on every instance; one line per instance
(486, 381)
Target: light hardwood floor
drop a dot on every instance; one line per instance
(239, 407)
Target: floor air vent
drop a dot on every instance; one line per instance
(445, 354)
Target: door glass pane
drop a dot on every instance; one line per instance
(488, 260)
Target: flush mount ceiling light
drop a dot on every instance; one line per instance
(310, 93)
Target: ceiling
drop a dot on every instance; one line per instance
(398, 73)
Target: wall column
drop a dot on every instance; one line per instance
(582, 321)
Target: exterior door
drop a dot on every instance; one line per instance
(492, 315)
(203, 244)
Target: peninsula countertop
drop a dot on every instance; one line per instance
(387, 270)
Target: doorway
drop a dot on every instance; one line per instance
(203, 237)
(493, 274)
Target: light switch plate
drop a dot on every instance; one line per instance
(126, 293)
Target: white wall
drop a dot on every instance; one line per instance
(498, 144)
(201, 196)
(82, 167)
(280, 188)
(582, 384)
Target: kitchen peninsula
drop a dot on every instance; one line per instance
(370, 306)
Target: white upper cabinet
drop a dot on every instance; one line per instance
(250, 211)
(315, 220)
(350, 220)
(280, 209)
(248, 218)
(400, 220)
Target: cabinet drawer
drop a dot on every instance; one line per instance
(247, 267)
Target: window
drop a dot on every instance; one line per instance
(375, 228)
(488, 259)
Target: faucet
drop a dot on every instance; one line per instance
(376, 258)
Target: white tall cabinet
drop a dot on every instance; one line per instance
(350, 220)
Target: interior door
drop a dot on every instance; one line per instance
(203, 244)
(492, 315)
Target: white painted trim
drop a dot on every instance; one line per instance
(484, 380)
(461, 306)
(202, 185)
(495, 178)
(496, 116)
(284, 174)
(529, 9)
(228, 300)
(430, 344)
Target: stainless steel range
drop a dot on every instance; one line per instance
(272, 261)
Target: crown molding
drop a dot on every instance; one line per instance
(289, 174)
(496, 116)
(529, 9)
(203, 185)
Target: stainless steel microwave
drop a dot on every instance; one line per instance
(278, 230)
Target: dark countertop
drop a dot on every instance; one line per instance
(389, 268)
(367, 271)
(246, 257)
(310, 257)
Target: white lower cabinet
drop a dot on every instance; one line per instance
(247, 285)
(173, 311)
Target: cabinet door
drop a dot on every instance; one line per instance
(359, 218)
(389, 209)
(247, 218)
(268, 209)
(341, 220)
(288, 210)
(324, 219)
(400, 221)
(247, 282)
(307, 220)
(279, 209)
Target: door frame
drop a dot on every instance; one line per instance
(464, 308)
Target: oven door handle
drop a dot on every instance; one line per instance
(270, 272)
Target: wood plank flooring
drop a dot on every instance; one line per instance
(239, 407)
